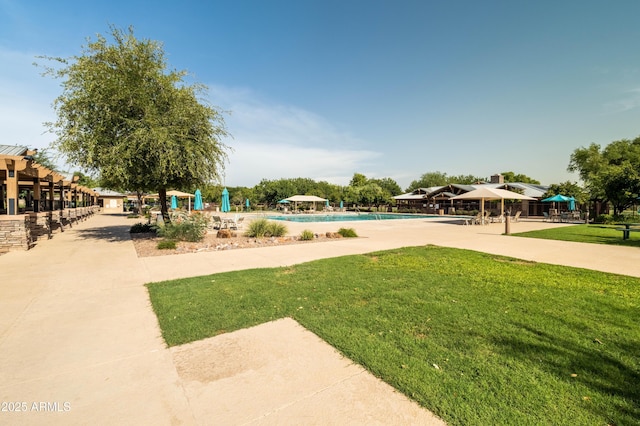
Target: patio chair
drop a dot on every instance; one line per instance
(546, 217)
(516, 218)
(486, 218)
(477, 220)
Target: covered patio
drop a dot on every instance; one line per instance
(36, 201)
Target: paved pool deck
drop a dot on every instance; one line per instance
(79, 343)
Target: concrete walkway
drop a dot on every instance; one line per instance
(79, 343)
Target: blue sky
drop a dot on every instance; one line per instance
(324, 89)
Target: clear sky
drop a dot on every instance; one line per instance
(397, 88)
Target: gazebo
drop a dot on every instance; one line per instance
(305, 199)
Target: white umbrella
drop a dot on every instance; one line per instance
(485, 193)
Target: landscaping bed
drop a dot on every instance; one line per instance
(146, 243)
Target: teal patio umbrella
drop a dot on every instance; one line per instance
(558, 198)
(174, 202)
(247, 204)
(572, 204)
(341, 204)
(197, 204)
(226, 206)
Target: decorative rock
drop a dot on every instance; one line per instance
(224, 233)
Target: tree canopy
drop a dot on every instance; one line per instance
(513, 177)
(612, 173)
(430, 179)
(139, 127)
(43, 157)
(568, 189)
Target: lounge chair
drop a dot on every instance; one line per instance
(215, 222)
(235, 223)
(516, 218)
(546, 217)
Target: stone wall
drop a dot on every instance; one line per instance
(39, 223)
(20, 232)
(15, 233)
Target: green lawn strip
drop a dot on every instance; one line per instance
(506, 335)
(597, 234)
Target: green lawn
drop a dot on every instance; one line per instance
(597, 234)
(514, 342)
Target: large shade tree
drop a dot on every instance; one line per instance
(138, 126)
(611, 173)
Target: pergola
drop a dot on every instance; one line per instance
(26, 186)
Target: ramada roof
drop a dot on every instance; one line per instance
(528, 189)
(14, 150)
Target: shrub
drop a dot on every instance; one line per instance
(276, 230)
(189, 229)
(347, 232)
(307, 235)
(139, 228)
(166, 245)
(132, 216)
(605, 219)
(257, 228)
(260, 228)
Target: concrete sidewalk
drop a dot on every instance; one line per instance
(79, 342)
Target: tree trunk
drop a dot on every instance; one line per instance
(139, 196)
(162, 195)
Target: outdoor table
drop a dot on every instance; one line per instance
(627, 229)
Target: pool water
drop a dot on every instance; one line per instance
(348, 217)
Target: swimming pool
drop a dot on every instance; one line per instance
(348, 217)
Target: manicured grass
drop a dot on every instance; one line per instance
(597, 234)
(476, 338)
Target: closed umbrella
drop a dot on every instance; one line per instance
(247, 204)
(572, 204)
(174, 202)
(180, 194)
(226, 206)
(341, 204)
(197, 203)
